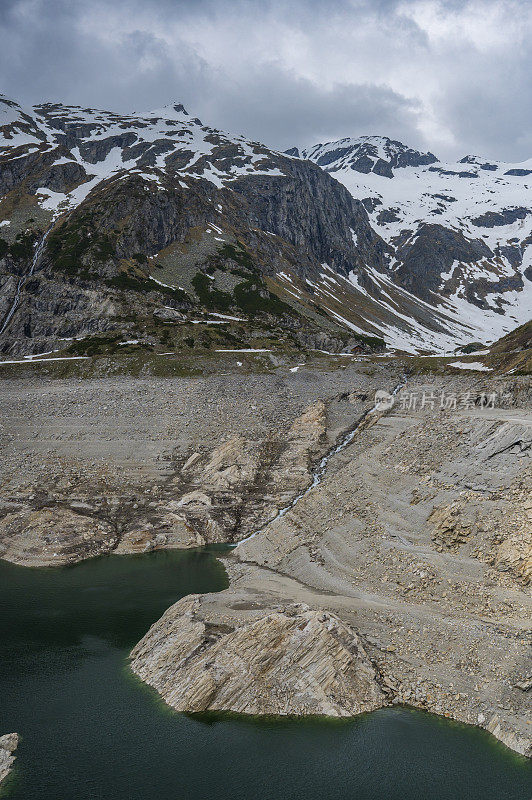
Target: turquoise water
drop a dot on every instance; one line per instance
(91, 730)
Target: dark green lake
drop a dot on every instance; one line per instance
(90, 730)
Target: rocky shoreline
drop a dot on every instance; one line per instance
(444, 625)
(402, 578)
(8, 745)
(292, 660)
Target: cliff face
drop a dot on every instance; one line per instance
(146, 210)
(313, 212)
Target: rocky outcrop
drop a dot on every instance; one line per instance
(430, 253)
(52, 536)
(511, 738)
(8, 745)
(168, 315)
(293, 660)
(497, 530)
(241, 484)
(506, 216)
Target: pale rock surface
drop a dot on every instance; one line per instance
(52, 536)
(292, 660)
(218, 495)
(8, 745)
(497, 530)
(241, 484)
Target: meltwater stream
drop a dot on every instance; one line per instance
(319, 471)
(91, 731)
(22, 280)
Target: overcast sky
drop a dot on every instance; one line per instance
(453, 77)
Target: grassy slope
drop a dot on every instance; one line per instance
(514, 351)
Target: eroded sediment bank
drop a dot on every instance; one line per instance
(419, 542)
(403, 577)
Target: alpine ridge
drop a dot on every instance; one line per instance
(458, 234)
(118, 229)
(144, 212)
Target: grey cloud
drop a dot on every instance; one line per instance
(492, 115)
(294, 111)
(327, 69)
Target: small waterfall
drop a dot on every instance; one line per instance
(319, 472)
(22, 280)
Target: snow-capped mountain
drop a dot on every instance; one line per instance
(99, 144)
(102, 211)
(105, 214)
(459, 233)
(376, 154)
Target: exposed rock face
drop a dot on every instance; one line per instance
(165, 195)
(168, 315)
(164, 528)
(511, 739)
(294, 660)
(52, 536)
(242, 483)
(506, 216)
(497, 530)
(8, 745)
(299, 210)
(431, 253)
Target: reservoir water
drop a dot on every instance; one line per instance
(90, 730)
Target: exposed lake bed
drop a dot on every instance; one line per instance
(404, 560)
(90, 729)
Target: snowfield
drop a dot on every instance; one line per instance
(403, 191)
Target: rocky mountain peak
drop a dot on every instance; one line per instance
(365, 154)
(18, 127)
(477, 161)
(448, 244)
(168, 111)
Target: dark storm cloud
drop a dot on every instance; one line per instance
(440, 74)
(297, 111)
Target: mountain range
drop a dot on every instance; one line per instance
(126, 230)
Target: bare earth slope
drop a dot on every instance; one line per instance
(128, 465)
(402, 577)
(442, 609)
